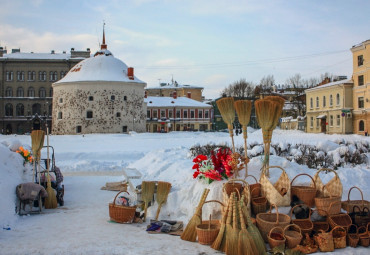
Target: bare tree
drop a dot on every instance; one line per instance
(240, 89)
(266, 83)
(295, 81)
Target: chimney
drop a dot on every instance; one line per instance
(174, 95)
(146, 94)
(130, 73)
(189, 94)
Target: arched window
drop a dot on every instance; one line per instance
(42, 92)
(36, 109)
(19, 110)
(20, 92)
(311, 102)
(8, 92)
(317, 102)
(361, 126)
(324, 101)
(8, 110)
(338, 99)
(31, 92)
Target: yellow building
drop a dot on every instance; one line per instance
(167, 90)
(361, 87)
(328, 108)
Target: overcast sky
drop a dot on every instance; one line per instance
(209, 43)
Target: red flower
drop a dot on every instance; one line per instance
(200, 158)
(195, 174)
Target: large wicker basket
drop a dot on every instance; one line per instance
(350, 204)
(267, 221)
(328, 204)
(305, 193)
(333, 187)
(120, 213)
(305, 225)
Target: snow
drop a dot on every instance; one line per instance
(82, 225)
(171, 102)
(24, 55)
(99, 68)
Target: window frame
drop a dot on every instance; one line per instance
(89, 114)
(361, 80)
(361, 102)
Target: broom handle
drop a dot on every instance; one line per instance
(245, 149)
(231, 132)
(34, 165)
(47, 149)
(158, 210)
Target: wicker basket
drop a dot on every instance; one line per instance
(239, 186)
(361, 218)
(305, 225)
(120, 213)
(320, 225)
(326, 204)
(255, 188)
(364, 236)
(342, 220)
(293, 237)
(339, 237)
(276, 238)
(352, 236)
(212, 221)
(305, 193)
(324, 241)
(207, 233)
(333, 187)
(350, 204)
(259, 204)
(267, 221)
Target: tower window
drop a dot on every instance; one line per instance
(91, 98)
(89, 114)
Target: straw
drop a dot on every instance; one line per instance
(147, 193)
(243, 109)
(220, 241)
(163, 189)
(190, 233)
(37, 139)
(227, 110)
(229, 228)
(246, 244)
(51, 199)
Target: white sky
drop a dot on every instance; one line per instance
(209, 43)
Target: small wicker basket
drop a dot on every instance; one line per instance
(293, 235)
(364, 236)
(350, 204)
(324, 241)
(352, 236)
(120, 213)
(276, 238)
(341, 219)
(320, 225)
(207, 233)
(259, 204)
(305, 225)
(255, 188)
(339, 237)
(305, 193)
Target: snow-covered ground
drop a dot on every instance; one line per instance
(82, 225)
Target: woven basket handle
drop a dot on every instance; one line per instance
(277, 212)
(332, 203)
(301, 175)
(363, 233)
(363, 210)
(294, 226)
(114, 200)
(354, 207)
(327, 170)
(336, 227)
(349, 228)
(238, 180)
(291, 211)
(265, 168)
(362, 195)
(252, 177)
(323, 187)
(277, 228)
(215, 201)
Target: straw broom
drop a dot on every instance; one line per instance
(229, 227)
(190, 233)
(243, 109)
(246, 244)
(227, 110)
(51, 199)
(163, 189)
(232, 239)
(147, 192)
(37, 139)
(220, 241)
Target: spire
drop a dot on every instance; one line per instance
(103, 46)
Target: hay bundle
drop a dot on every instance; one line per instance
(227, 110)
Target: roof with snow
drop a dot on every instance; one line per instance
(175, 85)
(171, 102)
(44, 56)
(102, 67)
(331, 84)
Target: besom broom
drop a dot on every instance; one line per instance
(220, 241)
(232, 235)
(190, 233)
(227, 110)
(147, 193)
(37, 139)
(246, 244)
(243, 109)
(51, 199)
(163, 189)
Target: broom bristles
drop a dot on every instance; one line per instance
(227, 110)
(243, 109)
(163, 189)
(219, 242)
(233, 237)
(51, 199)
(265, 113)
(147, 192)
(278, 110)
(190, 233)
(246, 244)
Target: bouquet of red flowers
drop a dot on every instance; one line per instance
(216, 167)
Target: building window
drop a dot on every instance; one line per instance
(78, 129)
(178, 114)
(148, 113)
(360, 60)
(91, 98)
(200, 114)
(155, 114)
(20, 75)
(163, 114)
(51, 92)
(53, 76)
(118, 114)
(317, 123)
(311, 122)
(113, 97)
(8, 110)
(331, 120)
(331, 100)
(361, 126)
(317, 102)
(9, 76)
(36, 109)
(89, 114)
(31, 92)
(338, 120)
(360, 80)
(60, 115)
(324, 101)
(62, 74)
(19, 110)
(42, 76)
(31, 75)
(42, 92)
(60, 100)
(8, 92)
(124, 129)
(185, 114)
(311, 102)
(170, 114)
(338, 99)
(361, 102)
(206, 114)
(124, 98)
(192, 114)
(20, 92)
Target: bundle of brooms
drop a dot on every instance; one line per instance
(268, 111)
(243, 109)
